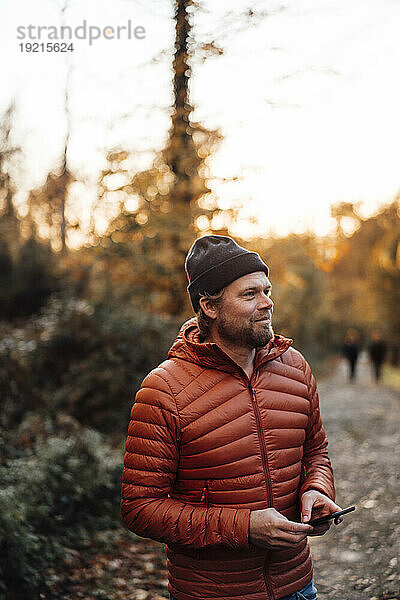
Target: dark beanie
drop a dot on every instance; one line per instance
(214, 261)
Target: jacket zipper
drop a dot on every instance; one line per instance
(262, 441)
(303, 474)
(266, 471)
(204, 495)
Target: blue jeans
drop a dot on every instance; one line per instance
(308, 592)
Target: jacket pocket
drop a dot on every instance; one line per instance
(205, 493)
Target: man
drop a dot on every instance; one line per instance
(350, 351)
(226, 455)
(377, 352)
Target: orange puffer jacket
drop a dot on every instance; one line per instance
(205, 446)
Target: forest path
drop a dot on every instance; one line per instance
(360, 559)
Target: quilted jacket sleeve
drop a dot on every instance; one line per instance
(316, 468)
(150, 466)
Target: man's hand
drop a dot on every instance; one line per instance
(315, 505)
(270, 529)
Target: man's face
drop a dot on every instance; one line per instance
(244, 315)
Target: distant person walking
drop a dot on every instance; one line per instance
(350, 351)
(377, 352)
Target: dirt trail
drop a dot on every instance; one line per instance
(360, 559)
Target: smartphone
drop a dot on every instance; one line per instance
(334, 515)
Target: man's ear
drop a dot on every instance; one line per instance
(208, 308)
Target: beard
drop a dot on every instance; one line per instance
(245, 333)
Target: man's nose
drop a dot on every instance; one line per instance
(265, 302)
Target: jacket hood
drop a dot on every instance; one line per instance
(187, 346)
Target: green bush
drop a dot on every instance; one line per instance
(51, 503)
(84, 360)
(26, 280)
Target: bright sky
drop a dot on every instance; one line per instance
(307, 100)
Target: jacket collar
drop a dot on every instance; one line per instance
(187, 346)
